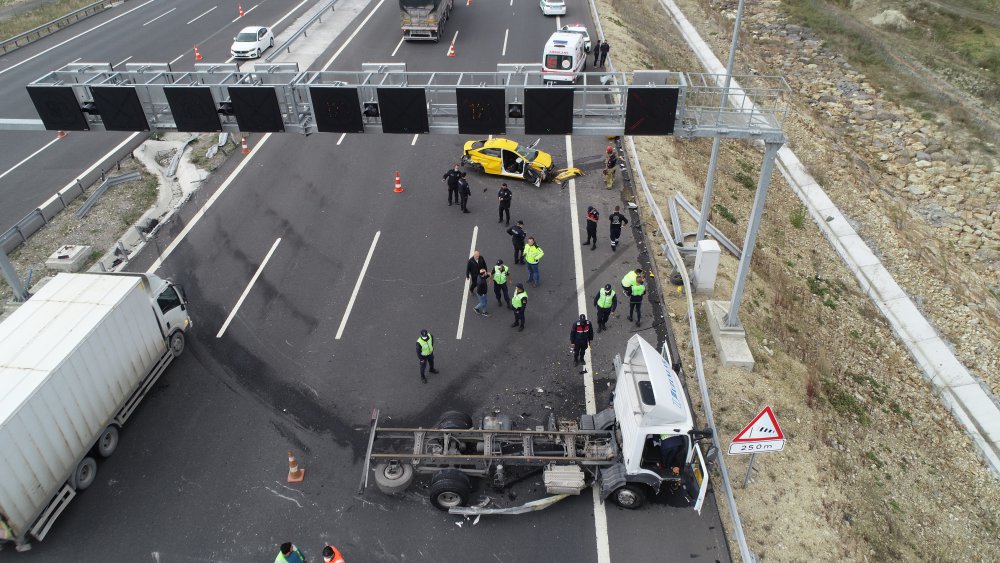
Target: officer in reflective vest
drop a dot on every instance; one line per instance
(518, 303)
(606, 302)
(500, 273)
(425, 353)
(635, 299)
(532, 254)
(629, 279)
(332, 555)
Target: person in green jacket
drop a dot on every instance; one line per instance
(288, 553)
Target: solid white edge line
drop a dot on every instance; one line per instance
(121, 62)
(503, 52)
(198, 17)
(57, 45)
(341, 139)
(101, 160)
(253, 280)
(357, 286)
(414, 141)
(179, 57)
(465, 290)
(158, 17)
(600, 516)
(290, 12)
(353, 35)
(201, 212)
(29, 157)
(398, 45)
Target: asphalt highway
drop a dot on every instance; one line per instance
(315, 345)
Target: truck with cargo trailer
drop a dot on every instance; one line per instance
(617, 450)
(424, 20)
(76, 359)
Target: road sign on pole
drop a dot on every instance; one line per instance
(762, 435)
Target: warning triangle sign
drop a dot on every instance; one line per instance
(763, 428)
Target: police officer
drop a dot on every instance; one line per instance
(606, 302)
(580, 336)
(288, 553)
(592, 217)
(452, 177)
(629, 279)
(532, 255)
(504, 196)
(617, 220)
(500, 273)
(519, 302)
(517, 236)
(638, 289)
(425, 353)
(465, 192)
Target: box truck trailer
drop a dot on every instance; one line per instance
(76, 359)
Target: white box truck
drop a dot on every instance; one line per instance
(75, 361)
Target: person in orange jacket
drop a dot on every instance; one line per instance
(332, 555)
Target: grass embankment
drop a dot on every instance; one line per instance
(18, 24)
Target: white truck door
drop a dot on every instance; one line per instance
(699, 473)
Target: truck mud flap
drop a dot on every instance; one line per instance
(611, 479)
(603, 420)
(533, 506)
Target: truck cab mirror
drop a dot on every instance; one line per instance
(706, 433)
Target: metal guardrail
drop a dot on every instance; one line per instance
(8, 45)
(85, 208)
(302, 31)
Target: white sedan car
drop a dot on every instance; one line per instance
(251, 42)
(582, 31)
(553, 7)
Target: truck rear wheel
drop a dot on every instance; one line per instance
(448, 493)
(108, 442)
(454, 420)
(177, 343)
(85, 474)
(392, 478)
(629, 496)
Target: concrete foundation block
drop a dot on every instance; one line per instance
(69, 258)
(731, 343)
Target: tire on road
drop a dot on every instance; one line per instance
(85, 474)
(392, 478)
(108, 442)
(454, 420)
(630, 496)
(177, 343)
(447, 493)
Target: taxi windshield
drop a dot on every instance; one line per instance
(527, 153)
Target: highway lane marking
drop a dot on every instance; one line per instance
(511, 2)
(201, 212)
(179, 57)
(353, 35)
(453, 40)
(600, 516)
(199, 17)
(158, 17)
(74, 60)
(56, 46)
(246, 291)
(290, 12)
(29, 157)
(121, 62)
(465, 290)
(398, 45)
(245, 13)
(503, 53)
(414, 141)
(558, 22)
(357, 286)
(342, 135)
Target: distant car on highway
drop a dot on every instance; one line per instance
(251, 42)
(577, 28)
(553, 7)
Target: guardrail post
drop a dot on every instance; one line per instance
(10, 274)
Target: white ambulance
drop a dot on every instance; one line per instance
(564, 58)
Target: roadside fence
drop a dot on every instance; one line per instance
(32, 35)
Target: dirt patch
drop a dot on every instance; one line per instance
(875, 468)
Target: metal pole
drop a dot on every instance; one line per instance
(766, 169)
(706, 197)
(746, 480)
(20, 293)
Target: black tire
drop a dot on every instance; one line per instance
(450, 475)
(177, 344)
(449, 493)
(85, 474)
(256, 55)
(393, 478)
(108, 442)
(454, 420)
(272, 43)
(629, 496)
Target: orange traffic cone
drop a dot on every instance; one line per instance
(399, 186)
(468, 3)
(197, 53)
(60, 134)
(451, 49)
(241, 10)
(295, 475)
(243, 144)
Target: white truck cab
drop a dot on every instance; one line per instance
(563, 58)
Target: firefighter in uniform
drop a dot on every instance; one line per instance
(617, 220)
(518, 302)
(580, 336)
(606, 302)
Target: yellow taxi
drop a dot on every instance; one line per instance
(504, 157)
